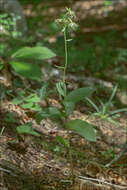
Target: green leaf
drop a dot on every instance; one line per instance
(4, 15)
(107, 2)
(1, 65)
(36, 107)
(20, 98)
(10, 117)
(117, 111)
(79, 94)
(61, 88)
(37, 53)
(17, 101)
(43, 91)
(42, 115)
(32, 98)
(50, 112)
(93, 104)
(32, 106)
(63, 141)
(57, 149)
(30, 71)
(113, 94)
(54, 112)
(3, 49)
(27, 129)
(28, 105)
(83, 128)
(69, 107)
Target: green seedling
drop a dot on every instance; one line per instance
(109, 153)
(30, 101)
(104, 111)
(27, 129)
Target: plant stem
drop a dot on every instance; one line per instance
(66, 55)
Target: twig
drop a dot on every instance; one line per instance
(102, 181)
(7, 171)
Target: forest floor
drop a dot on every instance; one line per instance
(42, 163)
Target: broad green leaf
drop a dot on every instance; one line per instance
(32, 98)
(83, 128)
(21, 93)
(63, 141)
(43, 114)
(69, 107)
(79, 94)
(31, 106)
(28, 105)
(27, 129)
(30, 71)
(17, 101)
(50, 112)
(54, 112)
(37, 53)
(36, 108)
(20, 98)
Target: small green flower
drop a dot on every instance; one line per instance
(70, 13)
(67, 21)
(66, 24)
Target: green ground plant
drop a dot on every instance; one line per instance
(28, 102)
(69, 100)
(20, 60)
(104, 110)
(110, 153)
